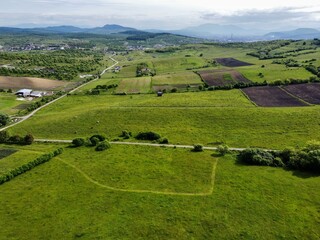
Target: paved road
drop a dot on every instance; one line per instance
(145, 144)
(23, 118)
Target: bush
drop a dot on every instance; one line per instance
(125, 134)
(4, 119)
(103, 146)
(164, 141)
(78, 142)
(197, 148)
(28, 139)
(4, 136)
(94, 141)
(148, 136)
(223, 149)
(256, 156)
(174, 90)
(16, 139)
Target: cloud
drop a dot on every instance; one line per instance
(281, 17)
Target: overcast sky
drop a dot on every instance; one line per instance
(162, 14)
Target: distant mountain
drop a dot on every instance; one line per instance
(215, 31)
(300, 33)
(107, 29)
(207, 31)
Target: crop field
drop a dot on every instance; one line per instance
(185, 118)
(231, 62)
(134, 85)
(6, 152)
(132, 191)
(308, 92)
(222, 77)
(29, 82)
(177, 80)
(272, 97)
(169, 65)
(54, 200)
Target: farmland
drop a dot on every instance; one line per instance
(71, 187)
(272, 97)
(222, 77)
(31, 83)
(231, 62)
(308, 92)
(147, 192)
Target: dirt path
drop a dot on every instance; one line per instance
(22, 119)
(145, 144)
(86, 176)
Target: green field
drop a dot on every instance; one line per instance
(135, 85)
(147, 192)
(9, 103)
(185, 78)
(67, 198)
(184, 118)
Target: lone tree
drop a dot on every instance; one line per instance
(4, 119)
(28, 139)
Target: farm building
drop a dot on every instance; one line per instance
(30, 93)
(23, 92)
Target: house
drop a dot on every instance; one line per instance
(23, 92)
(159, 93)
(37, 94)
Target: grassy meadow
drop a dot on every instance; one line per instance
(185, 118)
(66, 198)
(143, 192)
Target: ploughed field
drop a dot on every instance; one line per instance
(231, 62)
(222, 77)
(308, 92)
(267, 96)
(287, 96)
(30, 82)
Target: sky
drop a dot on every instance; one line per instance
(162, 14)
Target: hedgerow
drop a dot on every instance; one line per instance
(28, 166)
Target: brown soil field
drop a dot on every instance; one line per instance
(309, 92)
(231, 62)
(272, 97)
(222, 77)
(29, 82)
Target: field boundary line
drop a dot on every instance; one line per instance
(247, 97)
(23, 118)
(294, 96)
(86, 176)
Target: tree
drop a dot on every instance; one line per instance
(223, 149)
(78, 142)
(197, 148)
(4, 136)
(28, 139)
(103, 146)
(4, 119)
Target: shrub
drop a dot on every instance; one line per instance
(4, 136)
(16, 139)
(103, 146)
(28, 139)
(125, 134)
(256, 156)
(164, 141)
(148, 136)
(4, 119)
(98, 136)
(223, 149)
(174, 90)
(197, 148)
(78, 142)
(94, 141)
